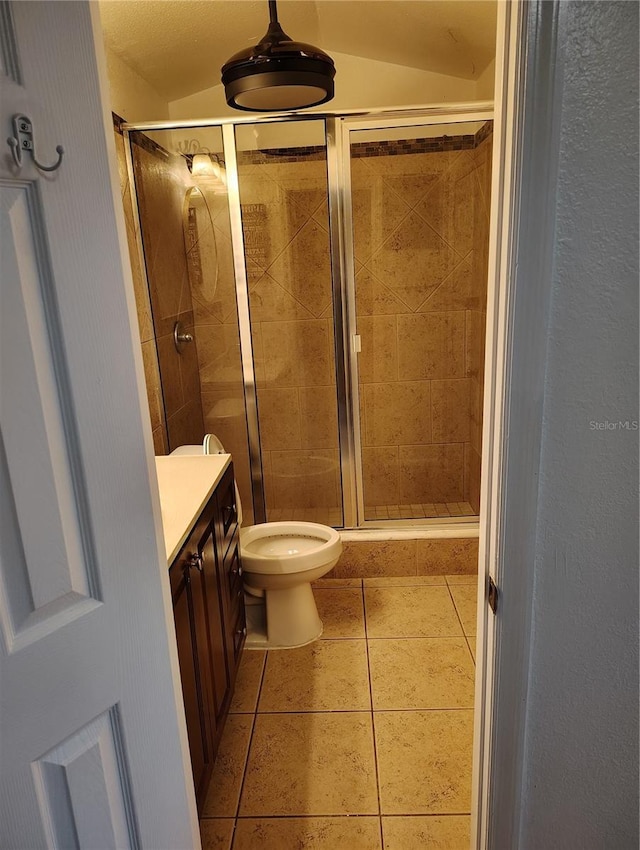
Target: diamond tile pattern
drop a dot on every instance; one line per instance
(420, 235)
(304, 268)
(413, 261)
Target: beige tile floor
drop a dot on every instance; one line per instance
(361, 740)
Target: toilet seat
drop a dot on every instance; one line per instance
(287, 547)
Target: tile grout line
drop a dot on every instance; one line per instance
(466, 636)
(256, 711)
(348, 711)
(347, 817)
(373, 721)
(246, 762)
(464, 633)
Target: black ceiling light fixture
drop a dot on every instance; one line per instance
(278, 73)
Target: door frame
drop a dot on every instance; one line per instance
(529, 61)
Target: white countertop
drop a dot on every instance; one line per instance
(185, 482)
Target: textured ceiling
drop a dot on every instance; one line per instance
(178, 46)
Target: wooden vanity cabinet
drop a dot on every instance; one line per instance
(208, 607)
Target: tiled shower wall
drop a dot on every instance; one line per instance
(421, 246)
(143, 309)
(213, 292)
(190, 272)
(160, 185)
(172, 379)
(420, 239)
(286, 229)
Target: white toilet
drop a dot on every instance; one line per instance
(279, 561)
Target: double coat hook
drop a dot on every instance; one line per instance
(23, 140)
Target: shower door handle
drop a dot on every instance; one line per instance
(356, 343)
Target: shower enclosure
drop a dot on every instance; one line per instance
(332, 271)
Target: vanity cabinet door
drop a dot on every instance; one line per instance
(226, 521)
(230, 568)
(215, 612)
(235, 616)
(193, 654)
(208, 606)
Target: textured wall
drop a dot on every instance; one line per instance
(581, 769)
(132, 98)
(360, 84)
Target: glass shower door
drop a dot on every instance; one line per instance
(419, 225)
(282, 177)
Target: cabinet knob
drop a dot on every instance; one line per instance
(236, 570)
(242, 631)
(196, 561)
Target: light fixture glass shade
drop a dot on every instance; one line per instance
(278, 74)
(208, 172)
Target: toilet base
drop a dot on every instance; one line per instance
(284, 618)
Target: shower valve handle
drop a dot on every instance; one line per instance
(181, 337)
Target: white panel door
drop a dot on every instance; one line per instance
(93, 745)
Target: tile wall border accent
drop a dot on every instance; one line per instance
(394, 147)
(310, 153)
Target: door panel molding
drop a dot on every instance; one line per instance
(84, 790)
(50, 577)
(8, 44)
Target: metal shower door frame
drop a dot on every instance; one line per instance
(339, 131)
(244, 322)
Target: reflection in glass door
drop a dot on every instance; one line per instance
(419, 224)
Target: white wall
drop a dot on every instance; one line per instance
(360, 84)
(581, 764)
(132, 97)
(486, 82)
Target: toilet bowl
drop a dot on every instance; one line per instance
(279, 562)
